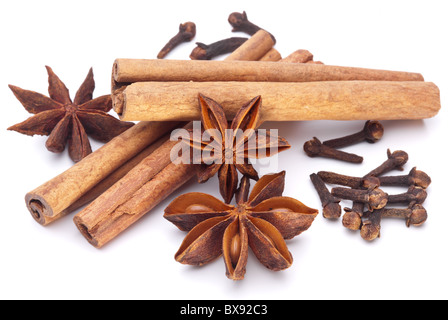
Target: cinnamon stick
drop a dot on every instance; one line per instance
(271, 55)
(100, 231)
(140, 190)
(286, 101)
(127, 71)
(299, 56)
(254, 48)
(94, 174)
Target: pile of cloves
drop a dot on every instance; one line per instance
(370, 202)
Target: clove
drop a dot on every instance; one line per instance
(370, 229)
(315, 148)
(371, 132)
(414, 215)
(374, 198)
(413, 195)
(208, 52)
(367, 182)
(352, 218)
(330, 204)
(187, 31)
(240, 23)
(414, 177)
(395, 160)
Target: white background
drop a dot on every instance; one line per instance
(330, 262)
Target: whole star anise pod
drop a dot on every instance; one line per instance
(64, 120)
(261, 221)
(232, 146)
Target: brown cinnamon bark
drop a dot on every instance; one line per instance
(254, 48)
(299, 56)
(141, 189)
(127, 71)
(286, 101)
(104, 228)
(271, 55)
(94, 174)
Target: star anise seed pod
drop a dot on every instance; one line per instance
(66, 121)
(234, 149)
(261, 221)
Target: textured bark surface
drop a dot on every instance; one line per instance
(127, 71)
(142, 188)
(95, 173)
(285, 101)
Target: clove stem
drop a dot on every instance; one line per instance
(210, 51)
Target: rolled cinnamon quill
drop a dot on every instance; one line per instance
(134, 195)
(299, 56)
(285, 101)
(127, 71)
(254, 48)
(271, 55)
(91, 176)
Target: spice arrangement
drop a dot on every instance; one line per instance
(134, 171)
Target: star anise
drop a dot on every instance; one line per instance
(64, 120)
(261, 221)
(232, 146)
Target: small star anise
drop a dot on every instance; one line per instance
(261, 221)
(232, 146)
(64, 120)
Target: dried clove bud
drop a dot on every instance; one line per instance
(187, 31)
(413, 195)
(414, 215)
(395, 160)
(372, 132)
(352, 218)
(370, 229)
(330, 204)
(367, 182)
(315, 148)
(208, 52)
(239, 22)
(414, 177)
(374, 198)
